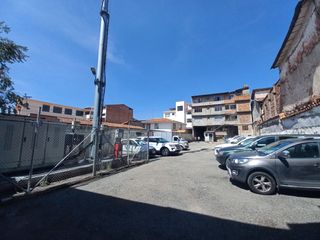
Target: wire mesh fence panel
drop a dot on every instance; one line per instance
(38, 153)
(121, 147)
(46, 151)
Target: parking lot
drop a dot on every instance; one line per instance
(178, 197)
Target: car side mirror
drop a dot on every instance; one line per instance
(253, 146)
(284, 154)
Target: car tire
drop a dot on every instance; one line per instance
(262, 183)
(165, 152)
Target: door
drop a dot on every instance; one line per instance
(301, 167)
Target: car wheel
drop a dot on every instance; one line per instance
(164, 151)
(262, 183)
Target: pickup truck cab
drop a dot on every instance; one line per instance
(182, 142)
(162, 146)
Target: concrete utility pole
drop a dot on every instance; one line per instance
(100, 82)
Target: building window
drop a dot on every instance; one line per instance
(233, 106)
(180, 108)
(216, 98)
(173, 114)
(189, 120)
(79, 113)
(45, 108)
(57, 109)
(197, 109)
(230, 97)
(167, 115)
(189, 112)
(245, 127)
(218, 108)
(156, 126)
(231, 118)
(68, 111)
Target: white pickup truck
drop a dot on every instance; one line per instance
(162, 146)
(182, 142)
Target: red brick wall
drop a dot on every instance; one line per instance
(119, 113)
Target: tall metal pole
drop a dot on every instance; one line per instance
(100, 82)
(35, 134)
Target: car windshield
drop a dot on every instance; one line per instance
(246, 142)
(239, 139)
(140, 142)
(161, 140)
(273, 147)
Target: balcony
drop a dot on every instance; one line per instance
(230, 112)
(210, 112)
(229, 101)
(242, 98)
(213, 122)
(210, 103)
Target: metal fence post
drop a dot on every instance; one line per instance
(148, 135)
(35, 134)
(128, 145)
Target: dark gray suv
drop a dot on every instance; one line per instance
(293, 163)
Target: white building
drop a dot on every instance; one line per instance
(163, 124)
(181, 113)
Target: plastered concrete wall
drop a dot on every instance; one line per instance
(300, 73)
(304, 123)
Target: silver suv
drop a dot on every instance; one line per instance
(293, 163)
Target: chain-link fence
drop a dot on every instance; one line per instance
(38, 153)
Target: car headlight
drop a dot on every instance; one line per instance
(171, 145)
(240, 161)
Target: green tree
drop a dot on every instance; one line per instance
(10, 53)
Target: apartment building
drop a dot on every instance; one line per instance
(30, 107)
(219, 115)
(113, 113)
(181, 113)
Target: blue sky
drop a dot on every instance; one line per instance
(160, 51)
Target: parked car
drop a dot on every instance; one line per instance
(237, 143)
(249, 145)
(232, 139)
(293, 163)
(181, 141)
(162, 146)
(136, 148)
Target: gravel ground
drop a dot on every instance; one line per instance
(178, 197)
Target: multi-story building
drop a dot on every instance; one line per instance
(219, 115)
(257, 98)
(113, 113)
(293, 104)
(181, 113)
(30, 107)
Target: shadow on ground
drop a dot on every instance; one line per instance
(195, 151)
(77, 214)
